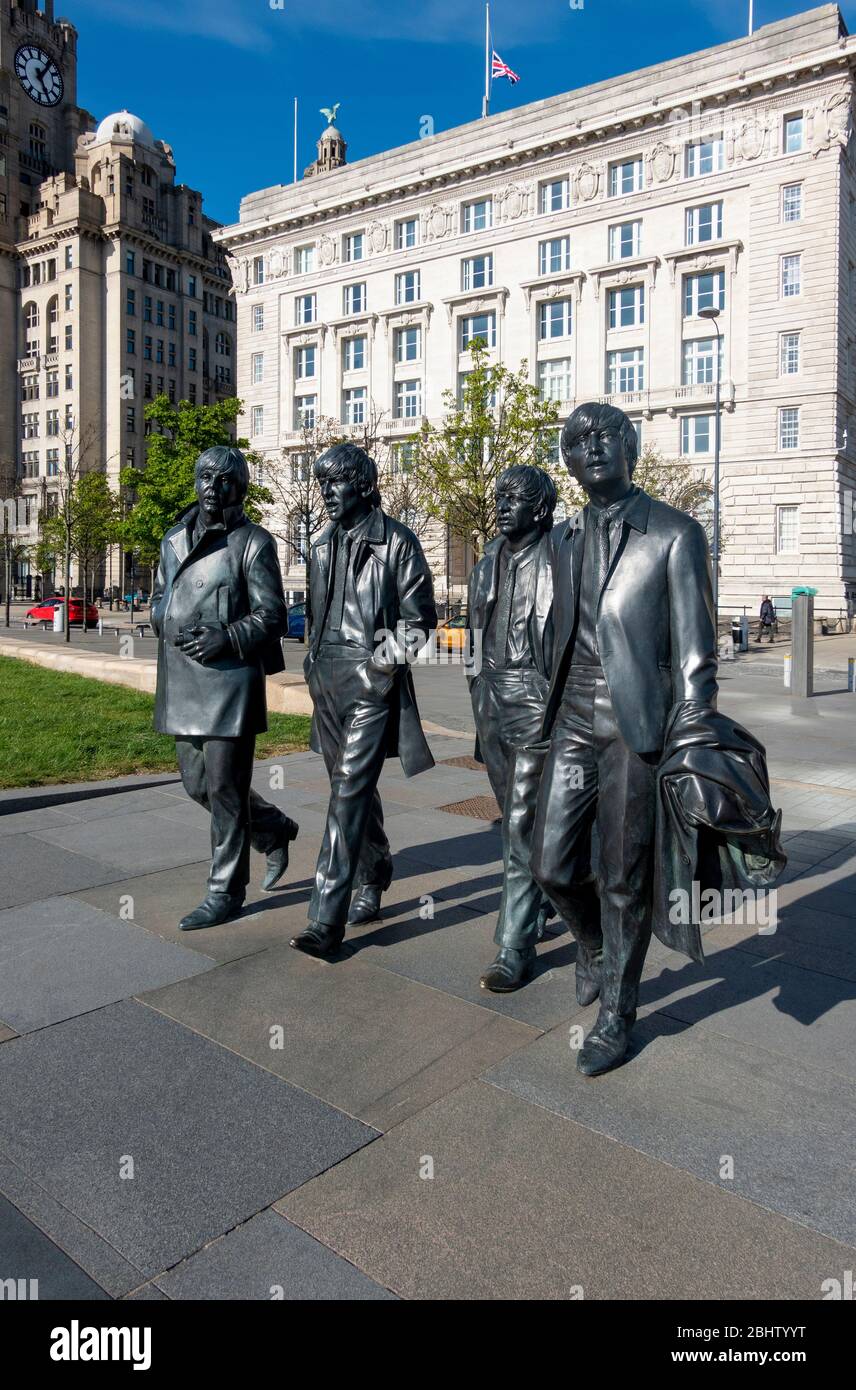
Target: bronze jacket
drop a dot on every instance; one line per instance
(655, 627)
(395, 599)
(230, 579)
(537, 576)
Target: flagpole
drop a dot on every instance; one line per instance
(295, 139)
(751, 17)
(486, 99)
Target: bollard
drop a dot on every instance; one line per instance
(851, 674)
(787, 671)
(802, 646)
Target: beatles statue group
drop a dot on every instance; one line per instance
(594, 699)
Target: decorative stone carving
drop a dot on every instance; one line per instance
(661, 162)
(513, 203)
(437, 223)
(240, 272)
(326, 250)
(833, 123)
(278, 263)
(377, 234)
(750, 139)
(588, 181)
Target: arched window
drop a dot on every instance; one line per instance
(31, 316)
(53, 320)
(31, 329)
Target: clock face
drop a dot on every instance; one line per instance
(39, 75)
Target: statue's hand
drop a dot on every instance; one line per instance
(204, 642)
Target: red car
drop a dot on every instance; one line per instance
(44, 612)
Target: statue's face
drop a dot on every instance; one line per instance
(342, 498)
(515, 514)
(597, 461)
(216, 488)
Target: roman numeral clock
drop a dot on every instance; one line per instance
(39, 75)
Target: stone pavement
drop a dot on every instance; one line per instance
(211, 1115)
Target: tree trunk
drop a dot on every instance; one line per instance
(67, 586)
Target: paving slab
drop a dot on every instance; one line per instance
(694, 1098)
(269, 1258)
(20, 822)
(371, 1043)
(29, 870)
(525, 1204)
(140, 840)
(147, 1294)
(213, 1139)
(110, 1270)
(41, 1270)
(130, 801)
(61, 957)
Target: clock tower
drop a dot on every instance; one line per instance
(40, 122)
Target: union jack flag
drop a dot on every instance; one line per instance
(501, 69)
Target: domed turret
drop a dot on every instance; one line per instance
(123, 126)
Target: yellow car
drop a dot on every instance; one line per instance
(452, 635)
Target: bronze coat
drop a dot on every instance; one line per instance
(395, 594)
(231, 579)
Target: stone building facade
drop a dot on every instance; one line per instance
(113, 289)
(587, 233)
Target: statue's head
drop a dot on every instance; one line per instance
(347, 477)
(600, 447)
(526, 499)
(222, 479)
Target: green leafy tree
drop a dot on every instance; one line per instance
(165, 486)
(95, 524)
(500, 420)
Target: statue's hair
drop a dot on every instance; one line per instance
(351, 462)
(227, 459)
(598, 415)
(536, 486)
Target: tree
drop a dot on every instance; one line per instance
(57, 533)
(166, 485)
(95, 523)
(500, 420)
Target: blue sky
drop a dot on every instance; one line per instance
(217, 79)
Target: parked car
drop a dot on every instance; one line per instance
(297, 621)
(452, 635)
(44, 612)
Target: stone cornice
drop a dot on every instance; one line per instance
(552, 136)
(703, 256)
(419, 311)
(551, 286)
(476, 301)
(622, 271)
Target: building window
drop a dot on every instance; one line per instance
(478, 326)
(30, 425)
(477, 272)
(223, 345)
(789, 354)
(147, 309)
(304, 260)
(30, 461)
(131, 419)
(30, 388)
(304, 362)
(626, 176)
(52, 423)
(355, 298)
(354, 354)
(159, 315)
(477, 216)
(700, 362)
(354, 405)
(408, 400)
(258, 418)
(787, 530)
(147, 386)
(191, 286)
(791, 276)
(51, 384)
(789, 427)
(192, 323)
(130, 262)
(625, 240)
(705, 157)
(131, 303)
(354, 246)
(406, 233)
(304, 412)
(171, 318)
(704, 223)
(147, 348)
(403, 457)
(258, 318)
(304, 309)
(52, 463)
(792, 202)
(794, 133)
(408, 287)
(703, 292)
(625, 370)
(69, 337)
(554, 255)
(191, 359)
(554, 319)
(554, 379)
(170, 354)
(408, 344)
(258, 368)
(131, 342)
(69, 376)
(554, 196)
(696, 434)
(259, 270)
(159, 351)
(627, 307)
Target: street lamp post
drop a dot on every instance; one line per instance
(712, 315)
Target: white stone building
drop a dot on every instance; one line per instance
(111, 288)
(585, 233)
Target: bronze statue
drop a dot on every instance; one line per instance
(510, 599)
(219, 613)
(373, 608)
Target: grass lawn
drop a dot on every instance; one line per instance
(60, 728)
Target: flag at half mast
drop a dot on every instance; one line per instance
(501, 69)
